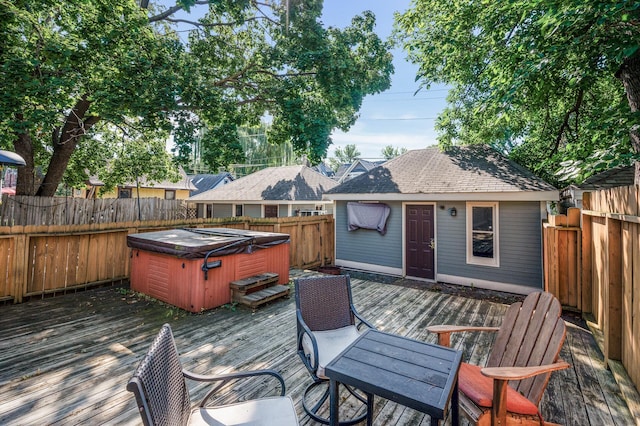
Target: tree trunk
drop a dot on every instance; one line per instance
(629, 74)
(76, 125)
(23, 145)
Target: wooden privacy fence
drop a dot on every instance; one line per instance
(592, 264)
(611, 272)
(25, 210)
(562, 247)
(40, 260)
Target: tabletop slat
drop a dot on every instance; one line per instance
(416, 374)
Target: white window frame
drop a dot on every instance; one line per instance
(476, 260)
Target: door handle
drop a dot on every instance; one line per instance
(432, 244)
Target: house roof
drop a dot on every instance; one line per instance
(323, 169)
(183, 183)
(617, 176)
(475, 172)
(357, 166)
(204, 182)
(288, 183)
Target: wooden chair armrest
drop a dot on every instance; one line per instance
(444, 331)
(223, 379)
(519, 373)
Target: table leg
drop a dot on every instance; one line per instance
(455, 405)
(333, 403)
(369, 409)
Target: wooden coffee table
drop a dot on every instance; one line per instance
(418, 375)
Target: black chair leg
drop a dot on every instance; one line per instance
(313, 410)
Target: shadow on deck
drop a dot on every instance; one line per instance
(66, 360)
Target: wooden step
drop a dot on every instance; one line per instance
(262, 296)
(244, 285)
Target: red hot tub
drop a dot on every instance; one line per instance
(192, 268)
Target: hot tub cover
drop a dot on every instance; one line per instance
(193, 243)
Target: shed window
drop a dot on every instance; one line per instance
(482, 234)
(124, 192)
(169, 194)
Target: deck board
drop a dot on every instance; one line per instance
(66, 360)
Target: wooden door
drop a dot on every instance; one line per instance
(419, 241)
(271, 210)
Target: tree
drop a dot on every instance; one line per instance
(555, 83)
(71, 70)
(389, 152)
(346, 155)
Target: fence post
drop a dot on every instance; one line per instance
(587, 261)
(613, 293)
(21, 266)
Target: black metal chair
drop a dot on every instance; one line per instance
(327, 322)
(162, 396)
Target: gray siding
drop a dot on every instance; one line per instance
(520, 244)
(222, 210)
(283, 210)
(253, 210)
(366, 245)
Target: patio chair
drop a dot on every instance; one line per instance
(327, 322)
(162, 396)
(525, 352)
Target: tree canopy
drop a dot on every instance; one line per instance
(555, 83)
(346, 155)
(390, 151)
(84, 79)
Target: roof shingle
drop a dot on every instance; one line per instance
(288, 183)
(468, 169)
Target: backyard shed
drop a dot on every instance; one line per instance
(193, 268)
(467, 216)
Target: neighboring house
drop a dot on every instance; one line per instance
(358, 167)
(323, 169)
(166, 189)
(271, 192)
(205, 182)
(8, 180)
(465, 216)
(571, 196)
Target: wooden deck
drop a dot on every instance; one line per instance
(66, 360)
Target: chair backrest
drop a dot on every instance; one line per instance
(159, 385)
(325, 302)
(531, 334)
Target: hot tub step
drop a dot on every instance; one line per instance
(245, 285)
(262, 296)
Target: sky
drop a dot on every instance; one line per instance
(395, 117)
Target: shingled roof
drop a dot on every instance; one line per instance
(288, 183)
(205, 181)
(478, 172)
(617, 176)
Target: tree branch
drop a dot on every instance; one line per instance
(275, 75)
(219, 24)
(167, 13)
(170, 11)
(565, 123)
